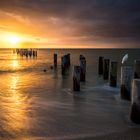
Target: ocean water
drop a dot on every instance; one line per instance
(42, 105)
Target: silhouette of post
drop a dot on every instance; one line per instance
(100, 65)
(106, 69)
(76, 78)
(113, 74)
(68, 55)
(83, 68)
(30, 53)
(55, 60)
(137, 69)
(126, 79)
(63, 65)
(135, 102)
(35, 53)
(26, 53)
(66, 61)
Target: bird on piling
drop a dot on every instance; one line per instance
(125, 58)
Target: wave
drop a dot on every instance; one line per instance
(27, 69)
(10, 59)
(17, 70)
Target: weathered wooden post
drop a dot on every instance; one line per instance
(126, 79)
(83, 68)
(135, 102)
(63, 65)
(30, 53)
(106, 69)
(33, 53)
(113, 74)
(26, 53)
(137, 69)
(69, 59)
(100, 65)
(76, 78)
(55, 60)
(81, 57)
(36, 53)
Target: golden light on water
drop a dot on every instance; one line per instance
(17, 108)
(14, 81)
(14, 105)
(15, 64)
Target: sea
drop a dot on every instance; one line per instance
(38, 103)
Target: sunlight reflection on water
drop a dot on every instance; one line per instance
(14, 107)
(15, 64)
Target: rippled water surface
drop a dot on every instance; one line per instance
(42, 105)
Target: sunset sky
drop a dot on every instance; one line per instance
(70, 23)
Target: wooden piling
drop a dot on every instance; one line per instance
(35, 53)
(106, 69)
(100, 65)
(113, 74)
(66, 61)
(30, 53)
(69, 63)
(63, 65)
(137, 69)
(76, 78)
(135, 102)
(83, 69)
(81, 57)
(26, 54)
(55, 60)
(126, 79)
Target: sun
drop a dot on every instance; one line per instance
(13, 39)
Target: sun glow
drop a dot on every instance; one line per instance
(13, 39)
(19, 40)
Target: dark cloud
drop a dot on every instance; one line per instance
(100, 19)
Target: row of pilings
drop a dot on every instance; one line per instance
(130, 79)
(79, 71)
(130, 83)
(108, 69)
(135, 93)
(31, 53)
(130, 89)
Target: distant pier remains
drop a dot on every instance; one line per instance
(31, 53)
